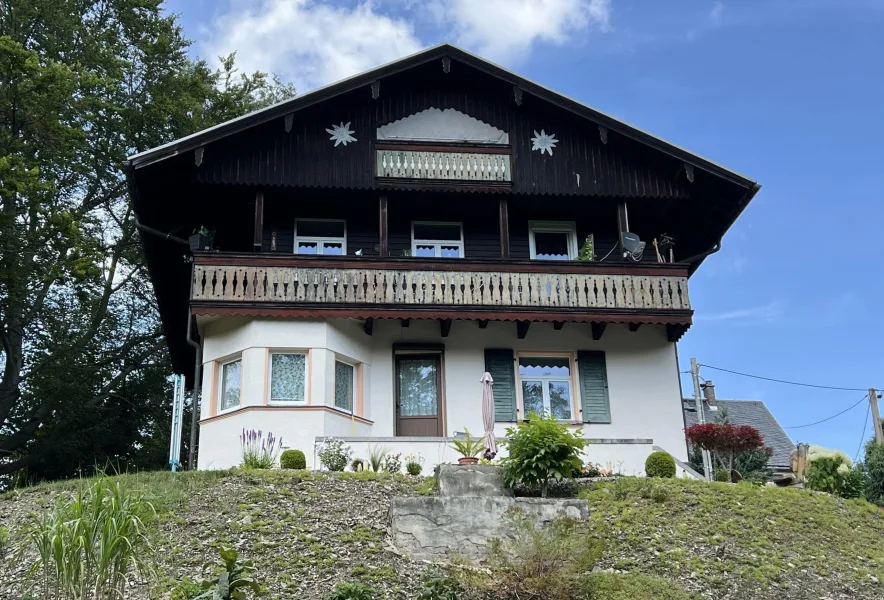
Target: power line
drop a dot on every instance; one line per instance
(865, 396)
(810, 385)
(862, 437)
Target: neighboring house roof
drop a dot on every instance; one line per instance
(755, 414)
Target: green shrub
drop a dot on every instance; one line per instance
(233, 579)
(541, 450)
(334, 454)
(4, 541)
(854, 483)
(351, 590)
(874, 467)
(659, 493)
(414, 468)
(830, 471)
(660, 464)
(440, 587)
(605, 586)
(546, 561)
(87, 545)
(293, 459)
(186, 589)
(720, 475)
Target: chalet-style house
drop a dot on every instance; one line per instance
(367, 251)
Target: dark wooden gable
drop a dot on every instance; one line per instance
(297, 151)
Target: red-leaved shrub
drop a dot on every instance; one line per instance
(724, 440)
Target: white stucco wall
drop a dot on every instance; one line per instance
(642, 379)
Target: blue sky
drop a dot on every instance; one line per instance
(788, 92)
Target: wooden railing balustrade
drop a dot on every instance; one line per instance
(462, 166)
(377, 286)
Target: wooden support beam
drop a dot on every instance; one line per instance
(622, 224)
(674, 331)
(368, 328)
(504, 228)
(259, 221)
(634, 326)
(384, 243)
(446, 64)
(598, 330)
(557, 325)
(445, 327)
(522, 329)
(483, 324)
(405, 322)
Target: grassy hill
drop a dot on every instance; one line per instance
(670, 539)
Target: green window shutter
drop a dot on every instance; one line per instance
(594, 386)
(499, 362)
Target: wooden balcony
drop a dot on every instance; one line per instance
(443, 165)
(454, 288)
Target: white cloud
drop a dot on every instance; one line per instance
(716, 13)
(506, 30)
(757, 314)
(308, 42)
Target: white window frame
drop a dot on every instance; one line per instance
(567, 227)
(353, 384)
(277, 402)
(437, 244)
(545, 379)
(221, 365)
(319, 241)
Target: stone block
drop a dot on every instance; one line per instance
(436, 528)
(471, 480)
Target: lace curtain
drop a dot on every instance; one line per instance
(288, 374)
(344, 386)
(417, 388)
(231, 376)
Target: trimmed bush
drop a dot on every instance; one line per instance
(293, 459)
(720, 475)
(660, 464)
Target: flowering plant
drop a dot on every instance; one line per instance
(334, 454)
(393, 462)
(414, 464)
(258, 452)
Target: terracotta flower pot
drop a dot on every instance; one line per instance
(468, 460)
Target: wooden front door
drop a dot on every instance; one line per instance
(419, 395)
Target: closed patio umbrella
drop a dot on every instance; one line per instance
(488, 415)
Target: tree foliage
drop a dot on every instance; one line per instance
(82, 358)
(540, 450)
(725, 441)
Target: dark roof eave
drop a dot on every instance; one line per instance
(298, 102)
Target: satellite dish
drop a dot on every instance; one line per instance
(633, 247)
(631, 242)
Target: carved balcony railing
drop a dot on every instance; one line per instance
(459, 166)
(471, 286)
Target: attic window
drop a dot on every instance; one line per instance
(321, 236)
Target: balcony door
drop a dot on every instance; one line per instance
(419, 395)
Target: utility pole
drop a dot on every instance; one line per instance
(873, 401)
(701, 415)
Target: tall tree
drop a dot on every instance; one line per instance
(83, 84)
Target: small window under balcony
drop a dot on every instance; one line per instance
(553, 240)
(321, 236)
(437, 240)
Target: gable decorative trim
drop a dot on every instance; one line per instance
(435, 125)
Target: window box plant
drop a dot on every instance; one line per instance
(468, 447)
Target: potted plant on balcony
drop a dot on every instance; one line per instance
(468, 447)
(202, 239)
